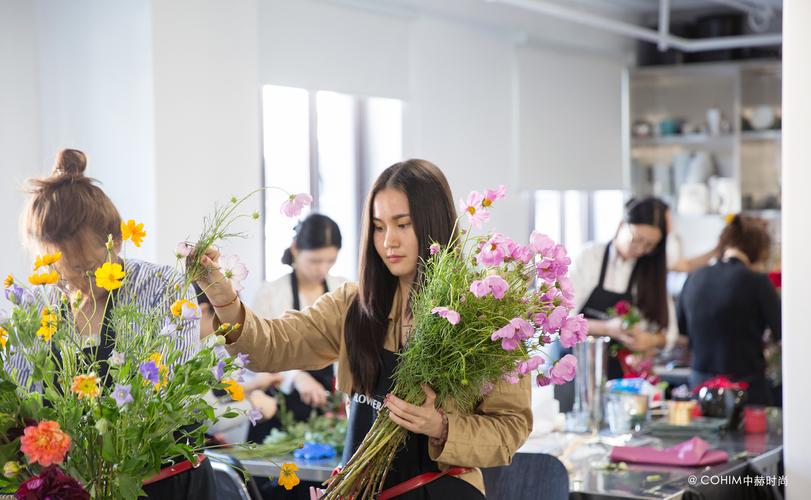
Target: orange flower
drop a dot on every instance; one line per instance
(44, 278)
(45, 443)
(8, 281)
(234, 389)
(177, 307)
(288, 477)
(130, 230)
(86, 386)
(46, 260)
(3, 337)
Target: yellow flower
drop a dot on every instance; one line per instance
(234, 389)
(8, 281)
(177, 307)
(728, 218)
(3, 337)
(109, 276)
(132, 231)
(288, 477)
(46, 260)
(50, 278)
(47, 326)
(86, 386)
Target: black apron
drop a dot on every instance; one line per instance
(596, 307)
(412, 459)
(196, 483)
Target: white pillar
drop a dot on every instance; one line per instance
(796, 246)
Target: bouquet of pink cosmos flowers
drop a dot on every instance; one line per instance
(79, 426)
(486, 311)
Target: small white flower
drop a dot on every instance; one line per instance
(116, 358)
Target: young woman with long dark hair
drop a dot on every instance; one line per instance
(364, 325)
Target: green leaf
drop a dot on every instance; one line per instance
(229, 414)
(108, 448)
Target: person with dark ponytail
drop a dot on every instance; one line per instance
(68, 213)
(311, 254)
(724, 309)
(364, 325)
(632, 267)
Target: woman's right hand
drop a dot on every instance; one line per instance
(613, 328)
(212, 281)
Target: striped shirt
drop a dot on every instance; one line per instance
(150, 288)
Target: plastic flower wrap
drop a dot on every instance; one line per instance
(487, 310)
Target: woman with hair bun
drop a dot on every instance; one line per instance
(68, 213)
(724, 309)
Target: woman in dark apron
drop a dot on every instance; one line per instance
(363, 327)
(638, 261)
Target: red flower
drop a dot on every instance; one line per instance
(776, 277)
(52, 483)
(45, 443)
(721, 382)
(622, 307)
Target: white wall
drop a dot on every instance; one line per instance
(19, 124)
(207, 113)
(96, 95)
(796, 242)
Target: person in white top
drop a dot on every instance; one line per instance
(312, 254)
(632, 267)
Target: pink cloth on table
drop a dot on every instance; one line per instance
(693, 452)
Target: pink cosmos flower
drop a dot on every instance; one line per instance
(434, 249)
(293, 205)
(494, 284)
(511, 377)
(573, 330)
(513, 333)
(183, 249)
(491, 195)
(234, 270)
(476, 214)
(494, 250)
(566, 291)
(452, 316)
(540, 243)
(553, 264)
(553, 321)
(564, 370)
(542, 380)
(529, 365)
(520, 252)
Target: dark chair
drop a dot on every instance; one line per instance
(530, 476)
(231, 484)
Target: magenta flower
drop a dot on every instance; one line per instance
(434, 248)
(553, 264)
(529, 365)
(563, 370)
(491, 195)
(254, 416)
(190, 311)
(183, 249)
(476, 214)
(293, 205)
(542, 380)
(573, 330)
(234, 270)
(494, 251)
(520, 252)
(513, 333)
(122, 395)
(52, 483)
(452, 316)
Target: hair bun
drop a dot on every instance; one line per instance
(70, 162)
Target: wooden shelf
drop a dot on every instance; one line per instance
(762, 135)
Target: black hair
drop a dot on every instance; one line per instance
(650, 275)
(316, 231)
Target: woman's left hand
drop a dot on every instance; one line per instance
(423, 419)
